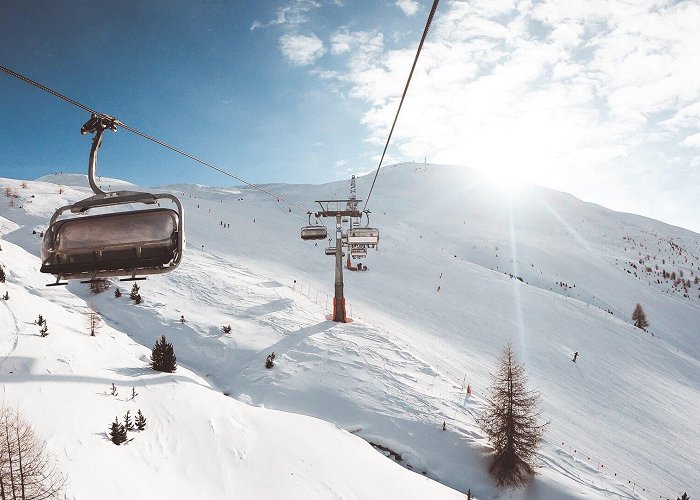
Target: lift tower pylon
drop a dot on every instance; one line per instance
(335, 208)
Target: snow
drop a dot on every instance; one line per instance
(394, 374)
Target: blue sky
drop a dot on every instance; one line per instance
(597, 98)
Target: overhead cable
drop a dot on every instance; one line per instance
(403, 96)
(148, 137)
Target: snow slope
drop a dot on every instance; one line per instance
(198, 443)
(396, 373)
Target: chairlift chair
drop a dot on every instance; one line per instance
(358, 252)
(313, 232)
(123, 243)
(331, 251)
(367, 236)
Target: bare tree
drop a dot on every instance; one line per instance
(639, 317)
(510, 420)
(27, 471)
(93, 320)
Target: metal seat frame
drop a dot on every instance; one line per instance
(132, 268)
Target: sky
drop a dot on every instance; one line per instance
(597, 98)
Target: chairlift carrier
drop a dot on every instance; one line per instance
(367, 236)
(126, 243)
(313, 231)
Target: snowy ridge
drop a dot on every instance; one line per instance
(396, 373)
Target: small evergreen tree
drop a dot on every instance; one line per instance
(270, 361)
(134, 292)
(128, 424)
(99, 286)
(113, 390)
(40, 320)
(510, 420)
(138, 299)
(117, 432)
(44, 332)
(2, 275)
(6, 296)
(117, 293)
(140, 421)
(226, 328)
(639, 317)
(133, 393)
(684, 497)
(163, 356)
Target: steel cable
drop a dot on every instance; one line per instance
(148, 137)
(403, 96)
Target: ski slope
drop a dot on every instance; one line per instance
(395, 373)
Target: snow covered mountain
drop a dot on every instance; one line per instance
(539, 268)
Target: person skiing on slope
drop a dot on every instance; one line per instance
(575, 356)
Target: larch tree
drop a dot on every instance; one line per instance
(27, 471)
(511, 422)
(639, 317)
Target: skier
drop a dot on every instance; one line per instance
(575, 356)
(438, 288)
(444, 425)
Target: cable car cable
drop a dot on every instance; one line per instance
(403, 96)
(146, 136)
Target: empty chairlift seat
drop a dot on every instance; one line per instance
(314, 233)
(358, 252)
(114, 244)
(366, 236)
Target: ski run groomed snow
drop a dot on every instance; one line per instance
(539, 268)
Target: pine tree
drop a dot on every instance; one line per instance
(140, 421)
(226, 328)
(2, 275)
(117, 293)
(684, 497)
(134, 292)
(6, 296)
(133, 393)
(163, 356)
(639, 317)
(117, 432)
(44, 332)
(99, 286)
(128, 424)
(510, 421)
(114, 390)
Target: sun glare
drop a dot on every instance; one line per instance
(503, 180)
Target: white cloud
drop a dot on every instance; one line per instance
(409, 7)
(294, 13)
(301, 50)
(575, 94)
(692, 141)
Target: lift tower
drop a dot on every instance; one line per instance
(339, 209)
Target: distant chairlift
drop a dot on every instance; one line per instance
(366, 236)
(358, 252)
(125, 243)
(331, 251)
(313, 232)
